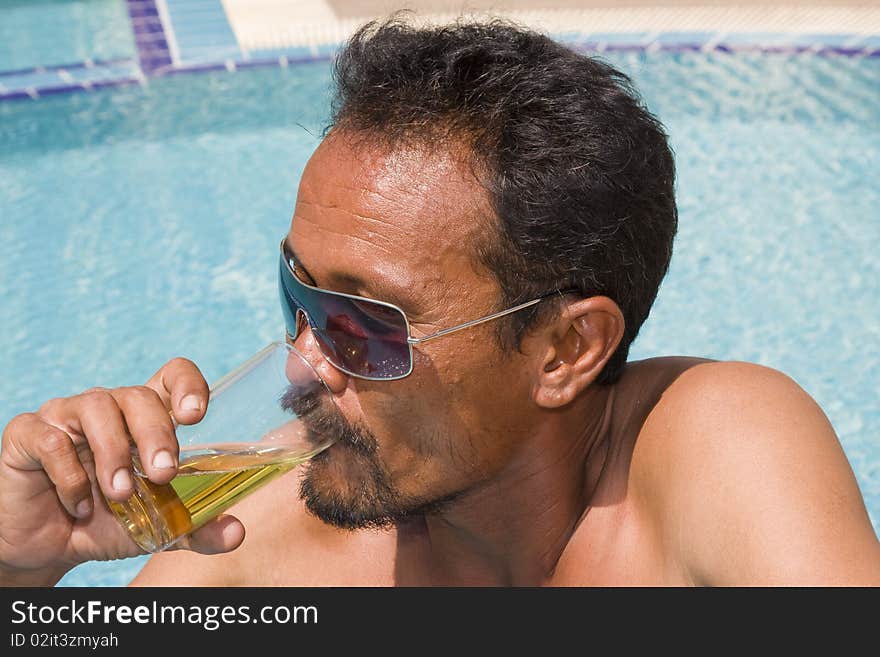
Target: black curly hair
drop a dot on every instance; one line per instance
(578, 171)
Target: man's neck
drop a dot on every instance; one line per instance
(512, 529)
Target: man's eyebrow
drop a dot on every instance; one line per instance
(379, 292)
(288, 251)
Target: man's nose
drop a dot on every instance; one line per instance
(307, 345)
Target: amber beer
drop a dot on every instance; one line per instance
(208, 481)
(275, 405)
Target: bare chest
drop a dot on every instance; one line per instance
(613, 547)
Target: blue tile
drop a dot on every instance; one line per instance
(213, 66)
(681, 47)
(13, 94)
(142, 11)
(257, 63)
(145, 30)
(152, 48)
(756, 38)
(196, 39)
(685, 37)
(820, 39)
(201, 26)
(62, 88)
(33, 80)
(104, 73)
(155, 61)
(290, 53)
(211, 54)
(837, 50)
(146, 23)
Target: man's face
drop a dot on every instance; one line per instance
(401, 227)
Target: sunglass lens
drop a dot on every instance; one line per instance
(362, 337)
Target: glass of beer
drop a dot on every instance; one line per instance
(264, 418)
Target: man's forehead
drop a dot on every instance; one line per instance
(417, 182)
(404, 208)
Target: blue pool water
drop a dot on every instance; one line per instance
(138, 224)
(56, 32)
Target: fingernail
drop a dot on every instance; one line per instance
(163, 459)
(83, 508)
(190, 403)
(121, 479)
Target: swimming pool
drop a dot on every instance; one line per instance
(141, 223)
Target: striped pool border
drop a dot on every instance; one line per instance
(150, 38)
(88, 63)
(157, 58)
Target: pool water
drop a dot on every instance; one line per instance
(57, 32)
(142, 223)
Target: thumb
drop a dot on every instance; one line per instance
(223, 534)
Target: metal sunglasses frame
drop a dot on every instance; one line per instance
(410, 340)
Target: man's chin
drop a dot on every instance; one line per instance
(339, 469)
(348, 490)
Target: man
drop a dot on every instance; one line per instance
(472, 170)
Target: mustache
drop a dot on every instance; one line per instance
(323, 421)
(299, 400)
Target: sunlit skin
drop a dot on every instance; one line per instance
(686, 471)
(470, 420)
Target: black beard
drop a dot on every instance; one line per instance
(369, 502)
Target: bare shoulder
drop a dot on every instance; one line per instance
(745, 482)
(284, 545)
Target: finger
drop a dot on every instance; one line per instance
(223, 534)
(183, 390)
(34, 444)
(151, 428)
(96, 416)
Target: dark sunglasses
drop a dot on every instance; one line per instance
(364, 338)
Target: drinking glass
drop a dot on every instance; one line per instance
(263, 419)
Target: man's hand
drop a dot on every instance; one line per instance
(55, 463)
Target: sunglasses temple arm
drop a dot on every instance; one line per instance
(474, 322)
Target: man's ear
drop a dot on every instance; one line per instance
(571, 351)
